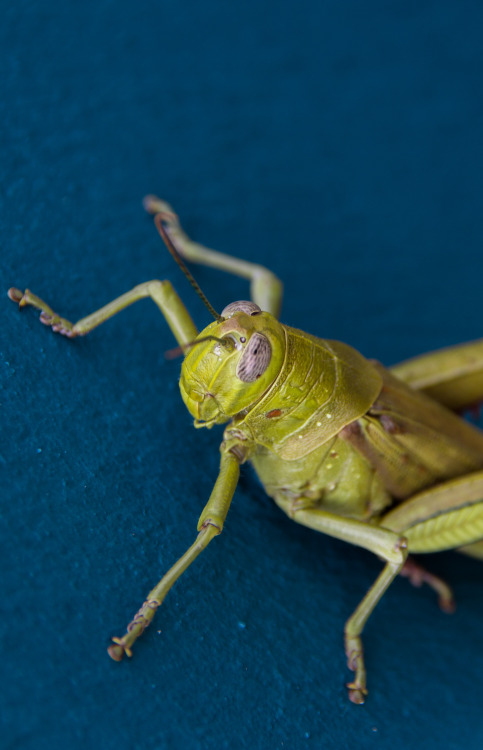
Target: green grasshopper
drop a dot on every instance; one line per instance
(377, 457)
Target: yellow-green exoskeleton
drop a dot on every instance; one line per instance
(376, 457)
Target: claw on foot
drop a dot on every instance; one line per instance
(117, 650)
(15, 295)
(355, 661)
(447, 605)
(47, 316)
(356, 694)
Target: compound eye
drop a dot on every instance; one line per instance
(246, 306)
(255, 359)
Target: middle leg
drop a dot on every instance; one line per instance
(265, 288)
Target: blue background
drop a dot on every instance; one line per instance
(338, 143)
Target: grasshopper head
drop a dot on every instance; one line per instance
(233, 365)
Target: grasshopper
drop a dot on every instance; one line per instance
(376, 457)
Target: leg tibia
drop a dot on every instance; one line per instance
(388, 545)
(210, 524)
(143, 617)
(161, 292)
(265, 288)
(354, 627)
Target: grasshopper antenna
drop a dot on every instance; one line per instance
(159, 217)
(158, 220)
(180, 350)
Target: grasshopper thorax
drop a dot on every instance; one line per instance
(234, 364)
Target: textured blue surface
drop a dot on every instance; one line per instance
(337, 143)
